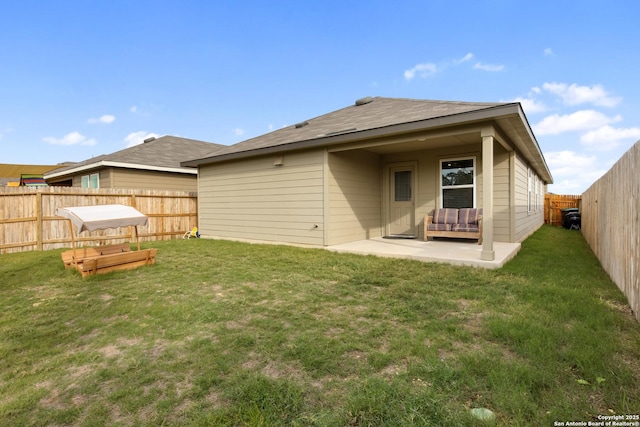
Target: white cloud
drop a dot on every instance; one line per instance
(238, 131)
(467, 57)
(572, 173)
(135, 138)
(566, 162)
(576, 95)
(530, 105)
(548, 52)
(608, 138)
(427, 69)
(580, 120)
(106, 118)
(423, 70)
(134, 109)
(72, 138)
(488, 67)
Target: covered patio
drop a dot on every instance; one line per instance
(449, 251)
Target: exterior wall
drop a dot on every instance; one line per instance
(255, 200)
(104, 178)
(502, 214)
(152, 180)
(526, 221)
(355, 204)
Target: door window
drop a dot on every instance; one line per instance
(403, 191)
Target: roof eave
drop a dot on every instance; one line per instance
(531, 150)
(548, 178)
(107, 163)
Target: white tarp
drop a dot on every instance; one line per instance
(103, 216)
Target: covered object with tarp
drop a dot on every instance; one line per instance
(32, 180)
(102, 259)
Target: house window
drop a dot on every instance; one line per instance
(91, 181)
(458, 183)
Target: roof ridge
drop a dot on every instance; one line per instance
(440, 101)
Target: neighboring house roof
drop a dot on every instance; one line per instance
(159, 154)
(377, 116)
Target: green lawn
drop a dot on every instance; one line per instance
(227, 333)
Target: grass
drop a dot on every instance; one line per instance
(226, 333)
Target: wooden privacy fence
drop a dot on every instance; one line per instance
(28, 221)
(553, 205)
(611, 224)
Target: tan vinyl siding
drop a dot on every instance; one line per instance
(526, 221)
(501, 195)
(153, 180)
(255, 200)
(142, 180)
(104, 178)
(354, 197)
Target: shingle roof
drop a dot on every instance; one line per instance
(164, 152)
(372, 113)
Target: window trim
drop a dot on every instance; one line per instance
(473, 186)
(529, 190)
(89, 180)
(537, 191)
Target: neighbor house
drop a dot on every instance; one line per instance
(153, 165)
(376, 168)
(12, 175)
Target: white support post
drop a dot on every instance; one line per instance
(487, 254)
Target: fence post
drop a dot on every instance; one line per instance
(39, 227)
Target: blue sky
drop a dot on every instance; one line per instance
(84, 78)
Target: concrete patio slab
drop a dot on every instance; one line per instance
(456, 252)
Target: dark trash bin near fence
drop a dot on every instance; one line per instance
(571, 218)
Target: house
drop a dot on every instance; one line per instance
(376, 168)
(153, 165)
(12, 175)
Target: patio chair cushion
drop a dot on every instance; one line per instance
(469, 216)
(466, 227)
(439, 227)
(464, 223)
(445, 216)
